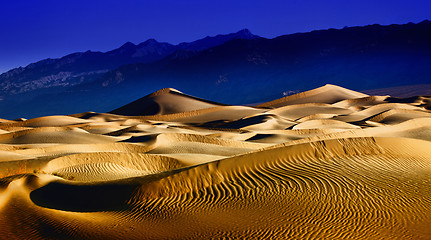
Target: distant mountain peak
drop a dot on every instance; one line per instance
(245, 32)
(209, 42)
(127, 45)
(150, 41)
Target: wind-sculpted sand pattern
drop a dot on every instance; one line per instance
(325, 164)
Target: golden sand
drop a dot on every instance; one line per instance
(329, 163)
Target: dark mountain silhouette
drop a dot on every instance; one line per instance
(209, 42)
(255, 70)
(83, 67)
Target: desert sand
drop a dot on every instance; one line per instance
(329, 163)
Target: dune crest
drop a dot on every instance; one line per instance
(329, 163)
(164, 101)
(325, 94)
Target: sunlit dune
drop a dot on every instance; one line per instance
(164, 101)
(326, 94)
(329, 163)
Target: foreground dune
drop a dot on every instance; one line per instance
(329, 163)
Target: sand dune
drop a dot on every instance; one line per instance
(51, 121)
(11, 156)
(324, 123)
(3, 131)
(326, 94)
(375, 110)
(294, 112)
(329, 163)
(54, 135)
(164, 101)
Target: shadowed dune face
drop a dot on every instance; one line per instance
(329, 163)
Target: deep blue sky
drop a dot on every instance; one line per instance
(31, 30)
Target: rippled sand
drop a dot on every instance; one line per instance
(329, 163)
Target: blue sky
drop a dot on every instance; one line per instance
(34, 30)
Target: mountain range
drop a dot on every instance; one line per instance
(237, 68)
